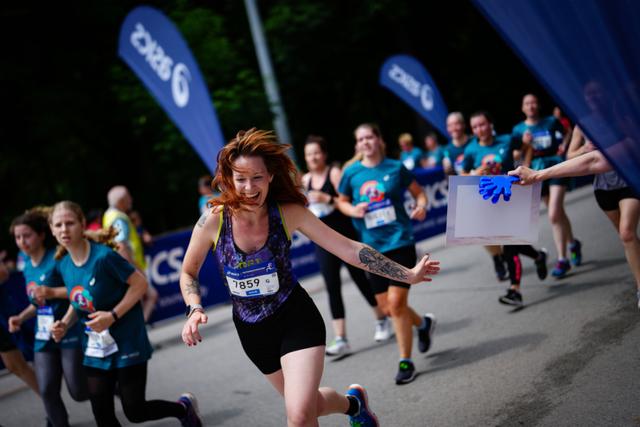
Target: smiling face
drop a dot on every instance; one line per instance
(314, 156)
(27, 240)
(251, 179)
(367, 142)
(481, 127)
(66, 227)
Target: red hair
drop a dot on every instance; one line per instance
(264, 144)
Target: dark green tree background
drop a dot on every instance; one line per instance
(77, 120)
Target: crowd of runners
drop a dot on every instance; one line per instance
(90, 297)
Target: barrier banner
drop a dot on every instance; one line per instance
(407, 78)
(156, 51)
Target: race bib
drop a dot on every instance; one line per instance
(253, 281)
(44, 323)
(541, 140)
(321, 209)
(379, 214)
(100, 344)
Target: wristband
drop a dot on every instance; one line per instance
(115, 315)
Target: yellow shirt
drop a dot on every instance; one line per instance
(126, 233)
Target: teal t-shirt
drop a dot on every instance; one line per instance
(547, 137)
(99, 285)
(411, 159)
(498, 156)
(455, 155)
(386, 225)
(42, 275)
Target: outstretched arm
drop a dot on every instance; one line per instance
(356, 253)
(586, 164)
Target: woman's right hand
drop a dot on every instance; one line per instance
(190, 334)
(360, 210)
(58, 330)
(14, 324)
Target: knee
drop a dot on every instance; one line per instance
(627, 235)
(78, 392)
(134, 413)
(16, 366)
(301, 414)
(396, 307)
(556, 215)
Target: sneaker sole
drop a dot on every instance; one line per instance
(510, 302)
(408, 380)
(366, 401)
(384, 339)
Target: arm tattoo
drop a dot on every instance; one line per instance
(203, 218)
(193, 288)
(377, 263)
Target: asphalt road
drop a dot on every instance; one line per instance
(570, 357)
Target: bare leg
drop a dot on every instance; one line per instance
(300, 379)
(339, 328)
(561, 226)
(629, 215)
(404, 317)
(15, 363)
(149, 301)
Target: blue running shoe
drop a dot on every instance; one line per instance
(406, 372)
(365, 417)
(561, 269)
(575, 249)
(190, 403)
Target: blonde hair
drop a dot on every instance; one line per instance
(405, 137)
(104, 236)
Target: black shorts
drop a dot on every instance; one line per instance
(294, 326)
(608, 199)
(6, 343)
(405, 256)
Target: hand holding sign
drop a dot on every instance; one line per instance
(495, 186)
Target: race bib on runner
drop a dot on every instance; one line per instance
(44, 323)
(541, 140)
(379, 214)
(100, 344)
(254, 281)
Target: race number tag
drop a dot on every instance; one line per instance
(541, 140)
(44, 323)
(253, 281)
(379, 214)
(100, 344)
(409, 163)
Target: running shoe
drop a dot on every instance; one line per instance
(384, 330)
(541, 264)
(501, 271)
(190, 403)
(512, 297)
(425, 334)
(365, 416)
(561, 269)
(406, 372)
(338, 347)
(575, 249)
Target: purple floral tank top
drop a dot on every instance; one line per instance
(260, 282)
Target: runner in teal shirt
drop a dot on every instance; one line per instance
(52, 361)
(105, 292)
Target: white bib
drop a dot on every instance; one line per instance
(100, 344)
(379, 214)
(253, 281)
(409, 163)
(44, 323)
(541, 140)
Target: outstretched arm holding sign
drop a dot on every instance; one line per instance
(586, 164)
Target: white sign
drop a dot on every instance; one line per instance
(471, 220)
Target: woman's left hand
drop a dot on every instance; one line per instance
(424, 268)
(419, 213)
(100, 320)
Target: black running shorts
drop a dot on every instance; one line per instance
(405, 256)
(296, 325)
(608, 199)
(6, 344)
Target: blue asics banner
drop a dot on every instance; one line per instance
(407, 78)
(587, 55)
(154, 48)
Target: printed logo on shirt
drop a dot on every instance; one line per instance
(42, 277)
(92, 281)
(493, 164)
(458, 165)
(372, 191)
(82, 299)
(31, 289)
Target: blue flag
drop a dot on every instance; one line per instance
(586, 55)
(407, 78)
(154, 48)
